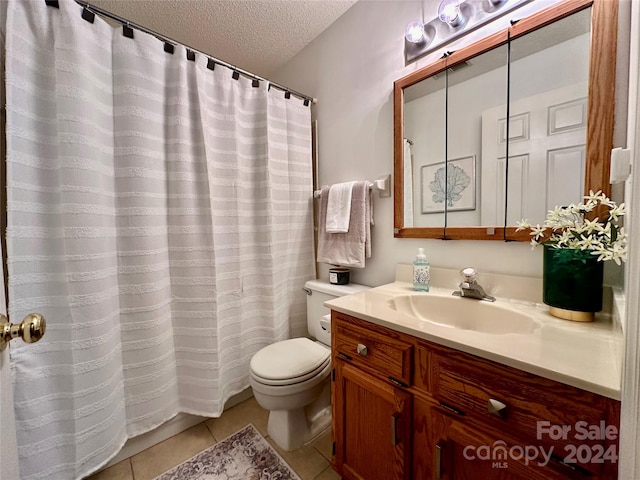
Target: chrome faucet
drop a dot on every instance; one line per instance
(469, 288)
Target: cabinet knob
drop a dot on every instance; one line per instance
(496, 407)
(362, 350)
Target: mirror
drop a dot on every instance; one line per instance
(424, 113)
(548, 80)
(482, 87)
(556, 93)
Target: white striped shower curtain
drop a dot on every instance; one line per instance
(159, 217)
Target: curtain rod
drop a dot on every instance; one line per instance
(124, 21)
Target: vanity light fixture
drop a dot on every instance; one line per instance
(455, 18)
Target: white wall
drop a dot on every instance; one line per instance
(351, 68)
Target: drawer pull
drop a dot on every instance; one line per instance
(452, 409)
(575, 468)
(437, 470)
(394, 429)
(344, 356)
(496, 407)
(362, 350)
(397, 382)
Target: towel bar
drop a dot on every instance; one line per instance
(382, 184)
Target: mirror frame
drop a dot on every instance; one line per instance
(600, 110)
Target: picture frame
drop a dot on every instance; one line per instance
(462, 175)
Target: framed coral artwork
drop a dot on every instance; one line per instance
(457, 193)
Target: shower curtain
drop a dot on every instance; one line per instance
(159, 217)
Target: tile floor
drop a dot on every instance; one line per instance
(311, 462)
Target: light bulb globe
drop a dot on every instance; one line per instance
(449, 12)
(414, 33)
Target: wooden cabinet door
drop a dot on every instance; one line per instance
(371, 426)
(461, 452)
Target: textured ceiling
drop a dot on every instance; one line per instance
(255, 35)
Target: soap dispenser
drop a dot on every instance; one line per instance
(421, 275)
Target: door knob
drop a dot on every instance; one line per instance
(31, 329)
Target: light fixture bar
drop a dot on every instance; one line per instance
(471, 15)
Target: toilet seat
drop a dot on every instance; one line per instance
(289, 362)
(295, 380)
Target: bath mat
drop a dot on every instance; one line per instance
(245, 455)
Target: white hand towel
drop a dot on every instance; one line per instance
(339, 207)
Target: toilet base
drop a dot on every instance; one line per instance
(291, 429)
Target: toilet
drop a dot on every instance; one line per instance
(290, 378)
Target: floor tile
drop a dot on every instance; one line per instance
(306, 461)
(324, 444)
(119, 471)
(310, 462)
(328, 474)
(170, 453)
(238, 417)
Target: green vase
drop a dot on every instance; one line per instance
(572, 283)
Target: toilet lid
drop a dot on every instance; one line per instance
(288, 359)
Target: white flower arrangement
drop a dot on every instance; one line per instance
(569, 228)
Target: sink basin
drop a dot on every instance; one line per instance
(464, 314)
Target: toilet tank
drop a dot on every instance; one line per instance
(318, 292)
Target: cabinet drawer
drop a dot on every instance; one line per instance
(380, 354)
(467, 384)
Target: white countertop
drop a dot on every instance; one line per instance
(584, 355)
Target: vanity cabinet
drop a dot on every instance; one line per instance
(406, 408)
(372, 411)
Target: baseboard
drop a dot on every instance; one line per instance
(176, 425)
